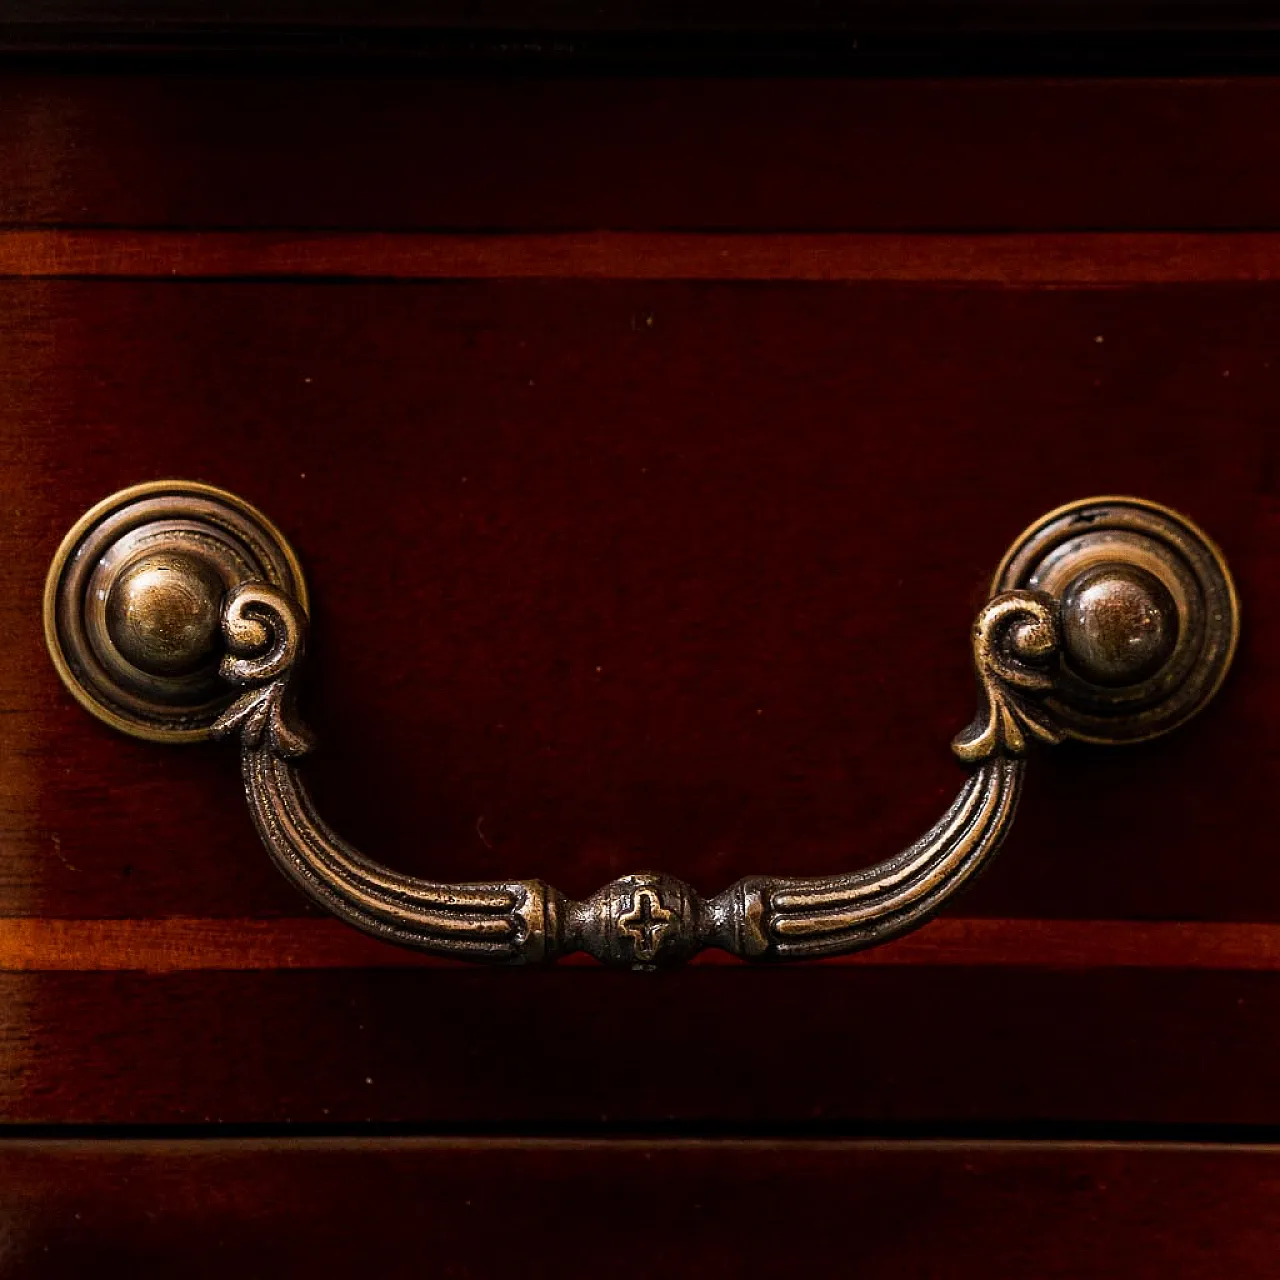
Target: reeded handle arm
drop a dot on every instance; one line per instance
(1113, 620)
(646, 918)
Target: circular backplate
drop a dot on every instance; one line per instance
(1139, 551)
(131, 593)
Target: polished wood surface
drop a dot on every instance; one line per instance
(653, 591)
(636, 511)
(397, 151)
(676, 427)
(40, 944)
(872, 1047)
(724, 1209)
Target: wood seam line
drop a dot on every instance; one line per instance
(1084, 259)
(35, 944)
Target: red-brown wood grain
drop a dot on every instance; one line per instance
(480, 1209)
(41, 944)
(718, 1047)
(618, 573)
(397, 151)
(639, 546)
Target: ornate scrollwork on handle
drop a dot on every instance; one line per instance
(265, 631)
(1114, 619)
(1016, 639)
(643, 921)
(265, 634)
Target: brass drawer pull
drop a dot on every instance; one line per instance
(176, 612)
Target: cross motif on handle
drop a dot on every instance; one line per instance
(646, 924)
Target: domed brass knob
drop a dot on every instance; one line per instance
(164, 614)
(1119, 625)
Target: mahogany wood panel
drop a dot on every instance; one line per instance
(657, 572)
(403, 151)
(479, 1209)
(656, 547)
(720, 1047)
(671, 542)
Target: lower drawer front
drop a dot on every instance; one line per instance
(954, 1045)
(623, 1208)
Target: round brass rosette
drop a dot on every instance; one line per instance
(134, 596)
(1149, 615)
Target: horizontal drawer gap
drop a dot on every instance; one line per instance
(818, 1139)
(178, 945)
(1063, 259)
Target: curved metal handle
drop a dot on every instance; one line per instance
(1112, 620)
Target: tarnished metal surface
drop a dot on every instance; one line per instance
(1112, 620)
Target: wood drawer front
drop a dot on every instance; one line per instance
(652, 514)
(485, 1208)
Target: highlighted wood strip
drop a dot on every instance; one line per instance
(181, 945)
(1076, 259)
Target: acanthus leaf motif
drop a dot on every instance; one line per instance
(1015, 639)
(265, 632)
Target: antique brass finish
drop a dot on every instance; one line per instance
(1119, 625)
(1149, 614)
(1111, 620)
(133, 603)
